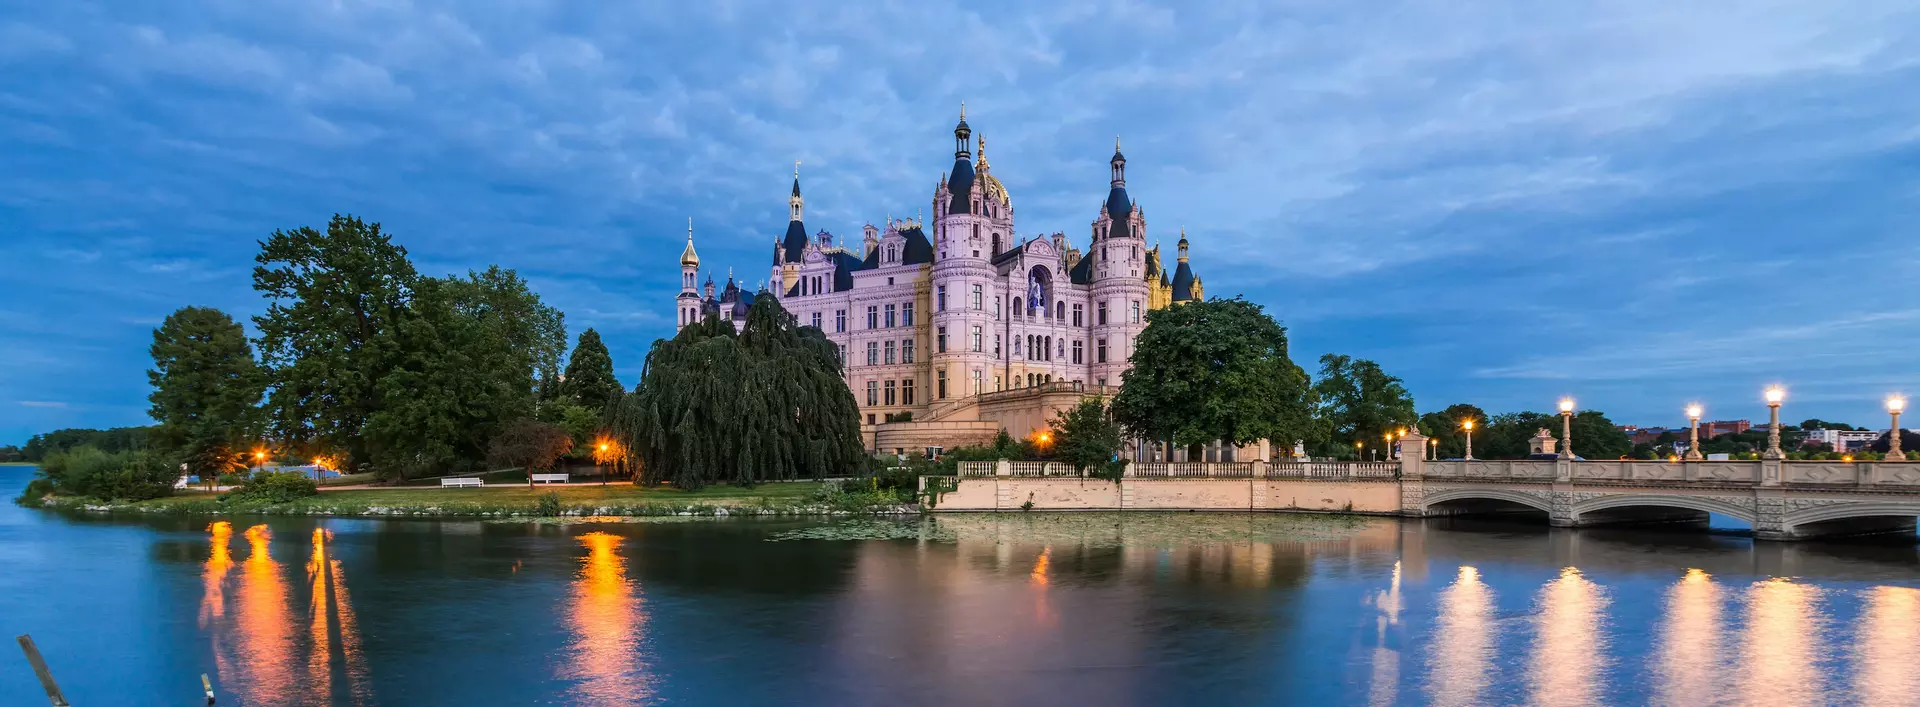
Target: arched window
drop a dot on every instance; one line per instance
(996, 244)
(1059, 310)
(892, 254)
(1016, 306)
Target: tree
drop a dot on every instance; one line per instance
(1448, 435)
(1085, 435)
(111, 441)
(468, 350)
(590, 382)
(1360, 403)
(336, 302)
(1214, 370)
(529, 444)
(1819, 424)
(1508, 436)
(206, 389)
(713, 407)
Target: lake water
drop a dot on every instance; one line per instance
(1136, 609)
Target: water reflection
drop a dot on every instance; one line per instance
(1462, 651)
(1569, 651)
(606, 665)
(1386, 661)
(1889, 634)
(255, 634)
(1688, 660)
(1782, 644)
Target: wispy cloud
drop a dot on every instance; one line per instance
(42, 404)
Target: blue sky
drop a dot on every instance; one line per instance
(1638, 203)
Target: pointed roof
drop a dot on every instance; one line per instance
(687, 256)
(1183, 275)
(794, 243)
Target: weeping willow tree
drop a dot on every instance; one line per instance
(713, 407)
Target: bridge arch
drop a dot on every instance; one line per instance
(1702, 504)
(1858, 509)
(1488, 494)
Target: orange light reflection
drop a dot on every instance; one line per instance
(1781, 642)
(1889, 630)
(1688, 657)
(607, 623)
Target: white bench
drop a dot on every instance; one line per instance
(463, 481)
(550, 478)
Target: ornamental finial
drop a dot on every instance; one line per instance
(963, 110)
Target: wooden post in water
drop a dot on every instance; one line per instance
(40, 669)
(208, 686)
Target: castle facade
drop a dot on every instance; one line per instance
(959, 323)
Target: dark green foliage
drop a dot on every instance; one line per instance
(1819, 424)
(1909, 441)
(1217, 369)
(10, 453)
(1444, 427)
(206, 388)
(87, 471)
(590, 382)
(548, 505)
(468, 352)
(336, 303)
(1594, 436)
(1359, 402)
(272, 487)
(713, 407)
(1085, 435)
(118, 439)
(38, 488)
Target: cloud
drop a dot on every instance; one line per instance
(42, 404)
(1487, 197)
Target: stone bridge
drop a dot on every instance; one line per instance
(1783, 500)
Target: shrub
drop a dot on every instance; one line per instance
(273, 487)
(548, 505)
(142, 476)
(35, 493)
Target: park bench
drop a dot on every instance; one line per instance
(550, 478)
(464, 481)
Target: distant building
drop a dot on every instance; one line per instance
(1710, 430)
(1844, 440)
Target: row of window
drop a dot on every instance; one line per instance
(902, 394)
(892, 316)
(877, 353)
(977, 300)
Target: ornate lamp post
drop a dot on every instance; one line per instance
(1693, 433)
(1389, 446)
(1566, 428)
(1356, 451)
(1468, 426)
(1775, 394)
(1894, 405)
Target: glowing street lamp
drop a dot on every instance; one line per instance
(1894, 405)
(1693, 433)
(1356, 451)
(1775, 395)
(1467, 424)
(1566, 428)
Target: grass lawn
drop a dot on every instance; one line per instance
(473, 501)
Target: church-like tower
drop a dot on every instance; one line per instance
(967, 294)
(689, 299)
(1118, 262)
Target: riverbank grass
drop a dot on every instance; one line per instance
(794, 498)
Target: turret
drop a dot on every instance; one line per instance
(1120, 293)
(1183, 280)
(688, 302)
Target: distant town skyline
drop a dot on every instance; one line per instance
(1638, 205)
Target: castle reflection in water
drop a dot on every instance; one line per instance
(1113, 609)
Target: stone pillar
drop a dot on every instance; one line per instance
(1562, 504)
(1413, 455)
(1770, 513)
(1770, 472)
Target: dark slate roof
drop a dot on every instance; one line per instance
(795, 243)
(919, 249)
(961, 183)
(743, 304)
(794, 291)
(1119, 207)
(1082, 272)
(1009, 254)
(843, 266)
(1182, 283)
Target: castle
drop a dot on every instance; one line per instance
(950, 335)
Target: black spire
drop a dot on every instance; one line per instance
(961, 183)
(1119, 206)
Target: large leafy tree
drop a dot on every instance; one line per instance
(530, 444)
(1359, 402)
(590, 382)
(206, 389)
(336, 302)
(469, 349)
(713, 407)
(111, 441)
(1214, 370)
(1085, 435)
(1449, 435)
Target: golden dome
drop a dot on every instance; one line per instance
(988, 184)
